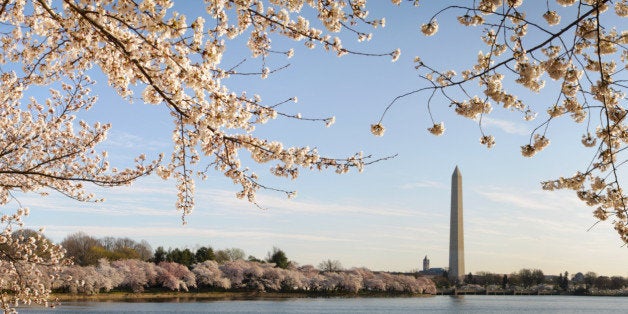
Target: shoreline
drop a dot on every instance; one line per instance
(163, 296)
(181, 296)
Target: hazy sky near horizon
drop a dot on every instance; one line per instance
(395, 212)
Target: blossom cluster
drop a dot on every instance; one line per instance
(572, 51)
(28, 261)
(178, 64)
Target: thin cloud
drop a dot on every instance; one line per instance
(552, 226)
(536, 200)
(108, 210)
(225, 200)
(154, 197)
(125, 140)
(486, 231)
(538, 211)
(397, 249)
(506, 126)
(144, 232)
(122, 204)
(519, 200)
(423, 184)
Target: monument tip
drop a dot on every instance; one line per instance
(457, 171)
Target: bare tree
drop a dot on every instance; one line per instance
(229, 255)
(330, 266)
(80, 247)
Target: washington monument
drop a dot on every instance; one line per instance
(456, 230)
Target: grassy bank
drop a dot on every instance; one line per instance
(174, 296)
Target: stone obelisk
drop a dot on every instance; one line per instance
(456, 231)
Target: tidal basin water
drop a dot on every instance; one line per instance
(435, 304)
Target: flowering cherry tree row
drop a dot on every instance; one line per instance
(240, 275)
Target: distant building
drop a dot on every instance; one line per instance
(578, 278)
(433, 272)
(427, 271)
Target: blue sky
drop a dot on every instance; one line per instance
(395, 212)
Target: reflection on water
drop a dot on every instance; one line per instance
(457, 298)
(436, 304)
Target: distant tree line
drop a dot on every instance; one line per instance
(85, 250)
(527, 278)
(591, 280)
